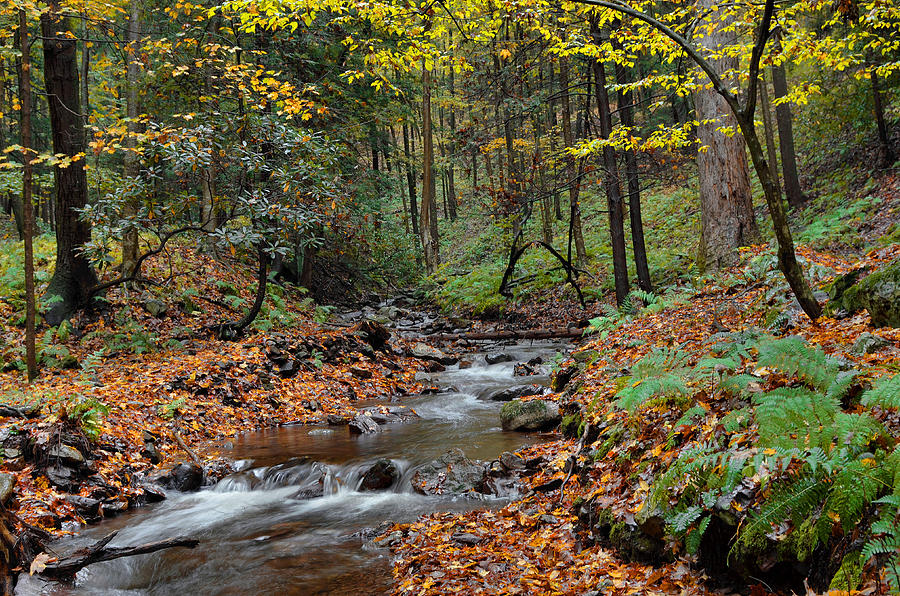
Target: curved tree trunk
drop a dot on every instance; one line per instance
(726, 205)
(73, 278)
(235, 329)
(787, 257)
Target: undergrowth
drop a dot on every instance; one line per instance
(803, 465)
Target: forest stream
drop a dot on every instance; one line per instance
(260, 534)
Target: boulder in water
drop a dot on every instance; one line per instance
(380, 476)
(452, 473)
(185, 477)
(423, 351)
(517, 392)
(533, 415)
(497, 358)
(363, 425)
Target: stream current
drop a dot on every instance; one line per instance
(256, 537)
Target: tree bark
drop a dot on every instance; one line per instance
(452, 202)
(132, 162)
(611, 178)
(626, 113)
(67, 567)
(726, 201)
(574, 183)
(768, 128)
(784, 119)
(887, 152)
(428, 216)
(410, 182)
(73, 278)
(27, 208)
(787, 257)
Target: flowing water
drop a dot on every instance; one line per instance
(258, 537)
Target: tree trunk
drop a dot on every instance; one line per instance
(428, 217)
(611, 178)
(726, 201)
(410, 182)
(546, 205)
(887, 152)
(626, 106)
(452, 203)
(73, 278)
(787, 258)
(85, 77)
(132, 161)
(27, 208)
(784, 119)
(768, 128)
(234, 330)
(574, 183)
(13, 202)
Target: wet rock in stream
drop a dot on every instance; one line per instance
(380, 476)
(497, 358)
(533, 415)
(185, 477)
(363, 425)
(423, 351)
(452, 473)
(517, 392)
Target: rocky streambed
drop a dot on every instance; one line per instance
(299, 514)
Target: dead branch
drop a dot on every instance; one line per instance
(67, 567)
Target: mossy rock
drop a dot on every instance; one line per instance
(879, 294)
(571, 426)
(532, 415)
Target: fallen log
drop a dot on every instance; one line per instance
(67, 567)
(27, 411)
(553, 333)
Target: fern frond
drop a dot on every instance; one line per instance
(794, 357)
(695, 536)
(797, 499)
(886, 393)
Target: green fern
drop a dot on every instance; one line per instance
(799, 417)
(885, 540)
(886, 393)
(661, 373)
(796, 358)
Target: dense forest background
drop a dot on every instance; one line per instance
(349, 147)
